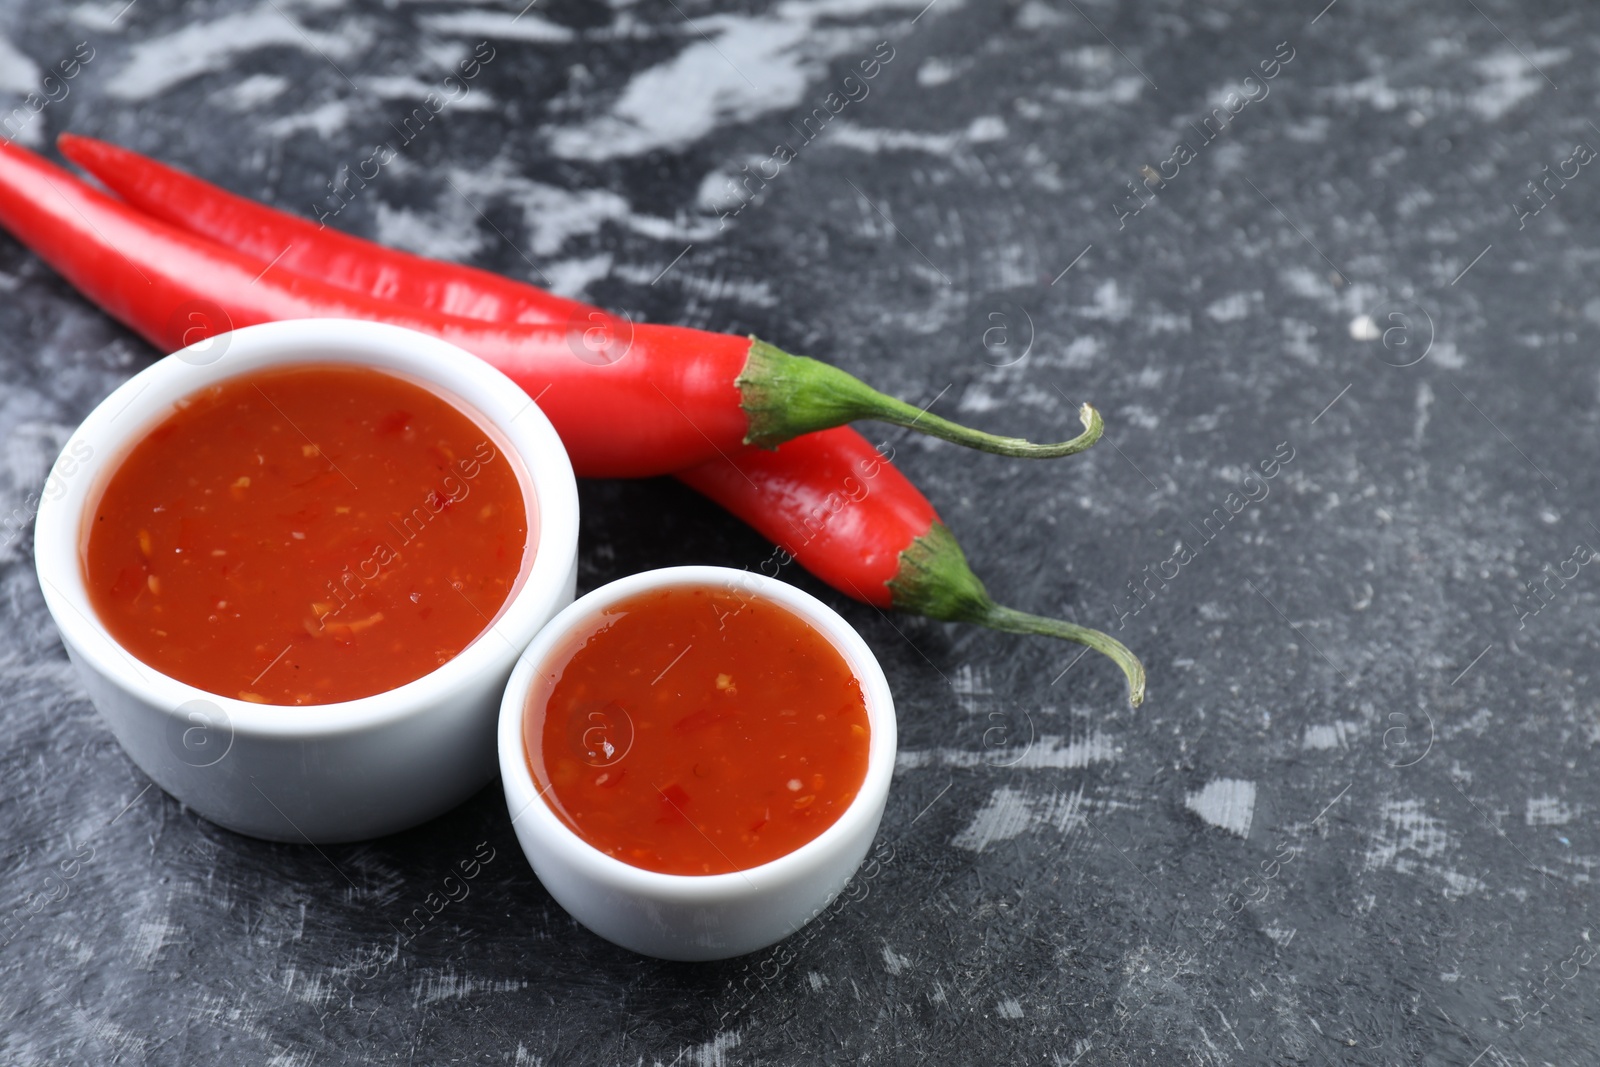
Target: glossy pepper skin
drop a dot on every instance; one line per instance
(834, 503)
(313, 249)
(782, 396)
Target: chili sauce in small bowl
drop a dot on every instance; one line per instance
(307, 534)
(749, 741)
(295, 564)
(696, 759)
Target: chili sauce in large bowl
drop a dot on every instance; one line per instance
(696, 731)
(306, 535)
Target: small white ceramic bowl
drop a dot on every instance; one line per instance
(330, 772)
(694, 917)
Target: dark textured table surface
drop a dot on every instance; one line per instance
(1355, 821)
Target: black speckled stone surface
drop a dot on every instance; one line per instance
(1355, 821)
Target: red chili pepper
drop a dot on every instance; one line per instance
(649, 400)
(783, 396)
(313, 249)
(832, 502)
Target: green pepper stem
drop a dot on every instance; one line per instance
(1020, 622)
(935, 580)
(785, 396)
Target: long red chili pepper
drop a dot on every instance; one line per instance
(835, 504)
(782, 395)
(829, 499)
(672, 397)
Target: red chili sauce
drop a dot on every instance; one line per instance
(697, 730)
(306, 535)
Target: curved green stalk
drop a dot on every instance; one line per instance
(935, 580)
(785, 396)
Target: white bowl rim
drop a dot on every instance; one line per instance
(490, 397)
(524, 799)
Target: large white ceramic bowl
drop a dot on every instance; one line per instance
(694, 917)
(330, 772)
